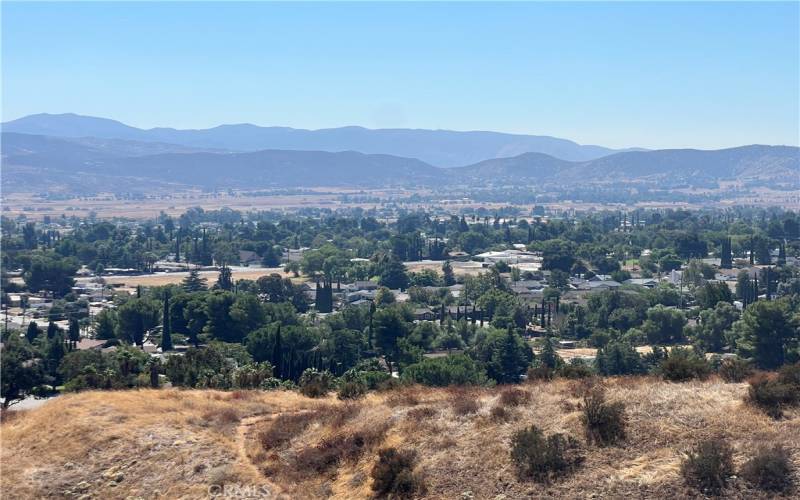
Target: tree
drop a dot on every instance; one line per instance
(32, 332)
(21, 371)
(54, 353)
(390, 327)
(767, 333)
(448, 275)
(726, 259)
(714, 325)
(558, 254)
(105, 325)
(710, 294)
(166, 326)
(225, 279)
(456, 369)
(193, 282)
(669, 263)
(664, 325)
(51, 274)
(136, 317)
(505, 354)
(394, 275)
(618, 358)
(74, 332)
(52, 330)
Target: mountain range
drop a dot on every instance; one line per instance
(40, 163)
(442, 148)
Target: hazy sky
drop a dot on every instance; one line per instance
(619, 74)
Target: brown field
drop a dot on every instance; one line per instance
(178, 444)
(107, 206)
(239, 273)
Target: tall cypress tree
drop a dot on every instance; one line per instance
(277, 354)
(52, 330)
(166, 332)
(726, 260)
(32, 332)
(74, 333)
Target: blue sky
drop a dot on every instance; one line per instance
(621, 74)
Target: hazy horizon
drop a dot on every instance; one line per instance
(618, 75)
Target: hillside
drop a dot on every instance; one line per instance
(36, 163)
(443, 148)
(669, 166)
(179, 443)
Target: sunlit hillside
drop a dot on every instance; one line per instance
(136, 444)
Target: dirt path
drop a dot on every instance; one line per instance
(243, 437)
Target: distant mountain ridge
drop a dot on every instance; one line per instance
(442, 148)
(86, 164)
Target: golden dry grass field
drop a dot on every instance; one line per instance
(184, 444)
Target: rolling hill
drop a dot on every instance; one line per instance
(86, 164)
(187, 443)
(443, 148)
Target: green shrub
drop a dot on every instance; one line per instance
(543, 458)
(272, 383)
(735, 370)
(315, 384)
(618, 358)
(576, 369)
(352, 390)
(393, 475)
(448, 370)
(770, 469)
(604, 422)
(709, 466)
(684, 364)
(540, 373)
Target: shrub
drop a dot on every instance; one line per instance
(272, 383)
(464, 405)
(284, 427)
(543, 458)
(338, 448)
(403, 396)
(770, 469)
(772, 394)
(540, 373)
(352, 390)
(576, 369)
(735, 370)
(790, 374)
(604, 422)
(422, 413)
(684, 364)
(514, 397)
(448, 370)
(500, 413)
(393, 475)
(315, 384)
(708, 466)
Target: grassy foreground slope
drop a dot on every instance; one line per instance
(181, 443)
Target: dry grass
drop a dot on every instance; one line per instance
(177, 443)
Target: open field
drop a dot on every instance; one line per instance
(181, 443)
(109, 206)
(174, 278)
